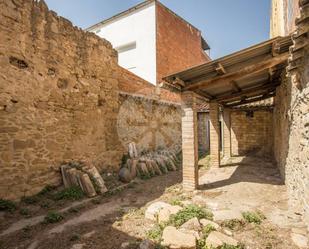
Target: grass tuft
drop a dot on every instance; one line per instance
(73, 193)
(188, 213)
(252, 217)
(52, 217)
(155, 233)
(234, 224)
(6, 205)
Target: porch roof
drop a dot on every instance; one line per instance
(243, 77)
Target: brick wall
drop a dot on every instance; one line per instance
(252, 135)
(59, 98)
(178, 44)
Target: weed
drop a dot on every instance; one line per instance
(25, 212)
(234, 224)
(252, 217)
(207, 230)
(53, 217)
(176, 202)
(155, 233)
(188, 213)
(226, 246)
(201, 243)
(73, 193)
(6, 205)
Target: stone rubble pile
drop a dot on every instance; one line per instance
(85, 176)
(148, 165)
(189, 233)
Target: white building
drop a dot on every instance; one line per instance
(133, 33)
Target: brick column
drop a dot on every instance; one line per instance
(227, 133)
(214, 134)
(189, 141)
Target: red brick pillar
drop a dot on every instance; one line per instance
(189, 141)
(227, 133)
(214, 134)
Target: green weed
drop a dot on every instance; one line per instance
(73, 193)
(155, 233)
(234, 224)
(25, 212)
(252, 217)
(6, 205)
(188, 213)
(53, 217)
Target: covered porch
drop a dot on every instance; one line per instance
(243, 80)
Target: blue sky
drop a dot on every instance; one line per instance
(227, 25)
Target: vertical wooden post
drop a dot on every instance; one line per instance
(214, 134)
(189, 141)
(227, 133)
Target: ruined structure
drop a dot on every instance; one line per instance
(245, 78)
(60, 95)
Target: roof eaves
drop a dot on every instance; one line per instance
(121, 14)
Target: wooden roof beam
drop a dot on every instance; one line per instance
(235, 86)
(220, 69)
(251, 100)
(232, 76)
(204, 94)
(179, 82)
(249, 91)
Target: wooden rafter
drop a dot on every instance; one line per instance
(220, 69)
(251, 100)
(253, 90)
(235, 86)
(232, 76)
(204, 94)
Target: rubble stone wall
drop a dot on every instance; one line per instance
(151, 124)
(61, 99)
(297, 163)
(252, 135)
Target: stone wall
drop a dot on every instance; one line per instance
(252, 134)
(59, 99)
(151, 124)
(297, 163)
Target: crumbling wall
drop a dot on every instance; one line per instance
(58, 98)
(251, 133)
(63, 97)
(297, 163)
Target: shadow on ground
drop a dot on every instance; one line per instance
(241, 169)
(96, 225)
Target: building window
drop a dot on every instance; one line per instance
(127, 57)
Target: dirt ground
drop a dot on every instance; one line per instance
(109, 222)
